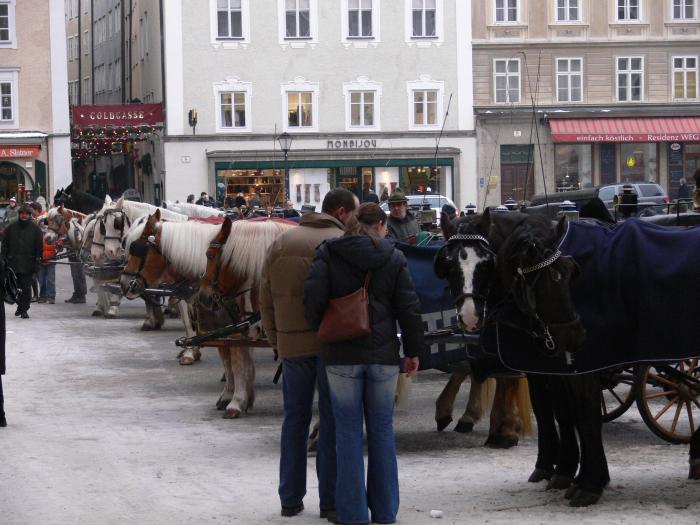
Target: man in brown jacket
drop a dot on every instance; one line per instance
(282, 307)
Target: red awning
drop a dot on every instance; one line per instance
(652, 129)
(118, 115)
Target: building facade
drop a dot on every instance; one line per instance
(578, 93)
(374, 95)
(34, 125)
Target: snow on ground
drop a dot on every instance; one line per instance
(105, 427)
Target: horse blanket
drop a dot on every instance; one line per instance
(636, 296)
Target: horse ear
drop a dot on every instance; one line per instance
(448, 228)
(441, 263)
(156, 215)
(483, 225)
(108, 199)
(562, 226)
(120, 204)
(226, 227)
(60, 208)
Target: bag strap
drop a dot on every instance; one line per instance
(368, 278)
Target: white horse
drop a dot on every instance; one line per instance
(180, 255)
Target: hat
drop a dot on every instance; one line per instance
(12, 199)
(398, 196)
(25, 207)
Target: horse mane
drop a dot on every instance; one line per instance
(134, 232)
(135, 210)
(247, 244)
(193, 210)
(184, 245)
(53, 214)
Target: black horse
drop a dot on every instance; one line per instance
(77, 200)
(505, 267)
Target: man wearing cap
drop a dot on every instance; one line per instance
(11, 211)
(23, 249)
(402, 224)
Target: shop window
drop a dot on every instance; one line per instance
(627, 10)
(630, 79)
(423, 180)
(263, 186)
(506, 11)
(569, 79)
(684, 9)
(507, 80)
(568, 10)
(685, 78)
(638, 162)
(572, 164)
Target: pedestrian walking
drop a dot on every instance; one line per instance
(363, 373)
(11, 211)
(47, 270)
(23, 248)
(281, 305)
(683, 189)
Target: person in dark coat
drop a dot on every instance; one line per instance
(402, 224)
(683, 189)
(3, 420)
(23, 247)
(362, 373)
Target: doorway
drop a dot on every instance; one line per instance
(517, 172)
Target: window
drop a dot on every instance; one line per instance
(86, 91)
(569, 79)
(232, 110)
(143, 34)
(567, 10)
(229, 16)
(685, 78)
(683, 9)
(73, 93)
(638, 162)
(233, 105)
(573, 166)
(506, 10)
(118, 74)
(110, 77)
(7, 23)
(300, 105)
(425, 103)
(359, 18)
(362, 104)
(507, 80)
(424, 18)
(630, 72)
(627, 10)
(297, 15)
(86, 42)
(8, 99)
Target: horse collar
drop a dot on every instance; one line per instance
(540, 265)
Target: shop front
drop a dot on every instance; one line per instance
(592, 152)
(22, 172)
(305, 181)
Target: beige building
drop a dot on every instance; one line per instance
(34, 128)
(577, 93)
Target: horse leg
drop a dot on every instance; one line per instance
(244, 374)
(149, 323)
(189, 354)
(476, 405)
(227, 395)
(568, 456)
(113, 305)
(593, 475)
(446, 399)
(101, 307)
(694, 456)
(500, 431)
(547, 437)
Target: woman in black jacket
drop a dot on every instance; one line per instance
(362, 373)
(3, 421)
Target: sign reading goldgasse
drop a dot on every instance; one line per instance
(118, 115)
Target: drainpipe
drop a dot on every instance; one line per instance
(163, 97)
(80, 54)
(131, 28)
(92, 52)
(123, 61)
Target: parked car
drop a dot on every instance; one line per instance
(647, 193)
(418, 202)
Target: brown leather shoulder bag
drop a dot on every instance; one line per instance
(347, 317)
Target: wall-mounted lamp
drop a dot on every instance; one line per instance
(192, 118)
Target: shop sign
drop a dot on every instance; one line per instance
(118, 115)
(626, 137)
(675, 146)
(352, 144)
(18, 152)
(631, 162)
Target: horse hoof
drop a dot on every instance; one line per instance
(584, 498)
(186, 360)
(559, 482)
(571, 491)
(464, 428)
(540, 474)
(222, 403)
(500, 441)
(110, 316)
(96, 313)
(146, 327)
(442, 422)
(232, 413)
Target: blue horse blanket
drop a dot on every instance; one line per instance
(636, 296)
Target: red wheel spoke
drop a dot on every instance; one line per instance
(661, 394)
(675, 418)
(665, 408)
(662, 380)
(690, 416)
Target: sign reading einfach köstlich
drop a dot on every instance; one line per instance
(118, 115)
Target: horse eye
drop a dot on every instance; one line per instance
(210, 256)
(463, 254)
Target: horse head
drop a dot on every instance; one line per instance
(467, 262)
(146, 267)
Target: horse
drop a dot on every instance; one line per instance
(228, 291)
(77, 200)
(193, 210)
(161, 251)
(505, 262)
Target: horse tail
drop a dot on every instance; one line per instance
(403, 389)
(488, 391)
(522, 400)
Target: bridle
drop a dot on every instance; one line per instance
(139, 249)
(123, 226)
(228, 302)
(463, 239)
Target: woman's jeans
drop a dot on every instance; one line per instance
(357, 391)
(47, 281)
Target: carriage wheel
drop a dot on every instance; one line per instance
(616, 393)
(669, 402)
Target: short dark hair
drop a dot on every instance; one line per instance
(338, 198)
(203, 193)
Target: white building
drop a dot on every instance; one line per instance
(362, 86)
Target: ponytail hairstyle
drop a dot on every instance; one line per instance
(368, 215)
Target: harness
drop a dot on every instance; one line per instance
(227, 302)
(455, 239)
